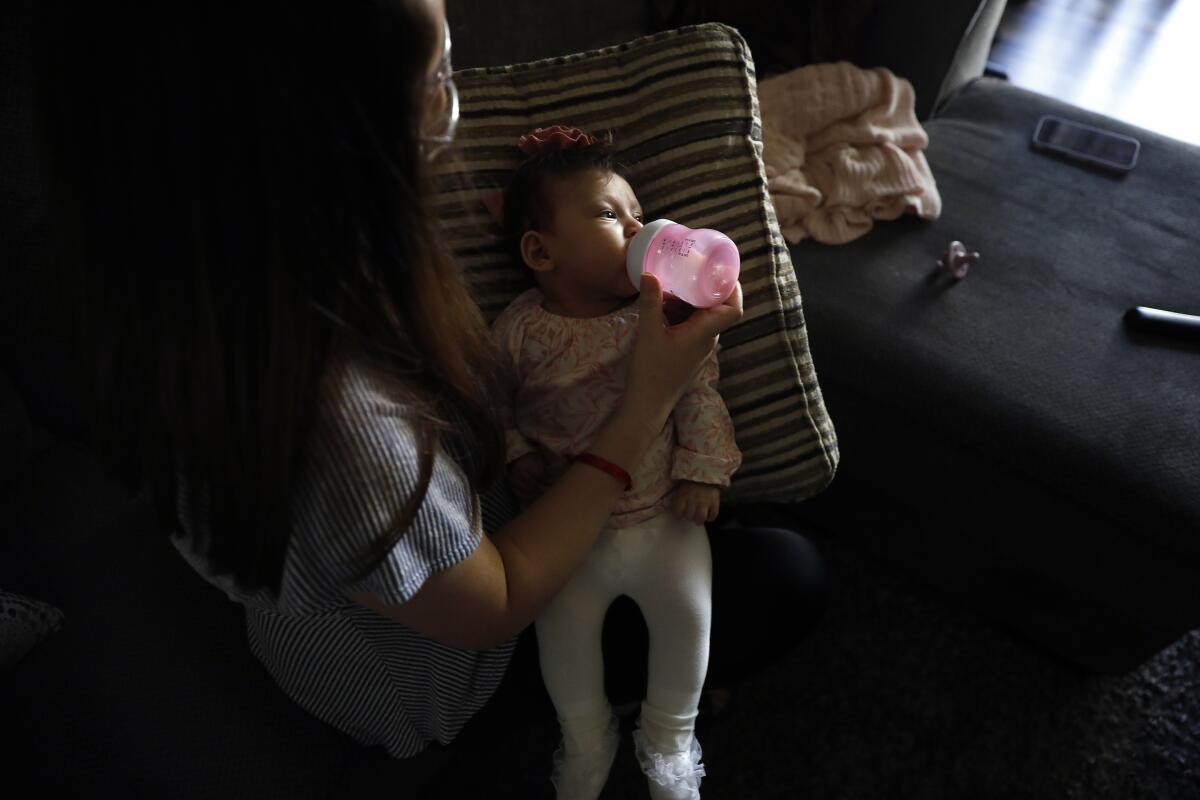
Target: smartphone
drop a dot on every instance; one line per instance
(1085, 143)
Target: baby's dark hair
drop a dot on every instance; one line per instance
(526, 206)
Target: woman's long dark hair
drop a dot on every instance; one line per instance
(243, 187)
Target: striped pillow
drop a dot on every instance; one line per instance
(684, 115)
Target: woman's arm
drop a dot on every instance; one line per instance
(490, 596)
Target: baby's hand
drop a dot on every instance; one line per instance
(525, 476)
(698, 502)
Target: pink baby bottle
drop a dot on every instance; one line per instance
(699, 266)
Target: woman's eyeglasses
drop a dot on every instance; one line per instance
(439, 133)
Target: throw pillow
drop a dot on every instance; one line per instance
(684, 115)
(23, 623)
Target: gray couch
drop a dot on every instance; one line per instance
(1007, 439)
(1004, 438)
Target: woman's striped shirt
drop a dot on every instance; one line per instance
(374, 679)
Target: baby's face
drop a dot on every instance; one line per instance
(596, 213)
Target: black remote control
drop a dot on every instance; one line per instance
(1163, 323)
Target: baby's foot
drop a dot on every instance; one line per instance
(670, 776)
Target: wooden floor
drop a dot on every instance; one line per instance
(1135, 60)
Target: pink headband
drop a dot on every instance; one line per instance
(556, 137)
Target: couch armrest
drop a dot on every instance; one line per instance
(938, 49)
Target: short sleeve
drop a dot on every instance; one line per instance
(361, 471)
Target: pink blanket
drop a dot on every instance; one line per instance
(842, 148)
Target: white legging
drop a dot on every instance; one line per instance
(665, 566)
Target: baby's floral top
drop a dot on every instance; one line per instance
(568, 375)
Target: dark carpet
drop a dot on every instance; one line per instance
(898, 695)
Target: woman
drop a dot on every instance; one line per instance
(285, 356)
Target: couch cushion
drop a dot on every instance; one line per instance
(683, 111)
(813, 32)
(936, 50)
(1013, 410)
(486, 33)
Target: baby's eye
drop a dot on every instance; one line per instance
(638, 216)
(608, 214)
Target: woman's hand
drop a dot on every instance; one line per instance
(665, 357)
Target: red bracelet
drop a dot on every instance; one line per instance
(604, 465)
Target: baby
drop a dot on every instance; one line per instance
(570, 213)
